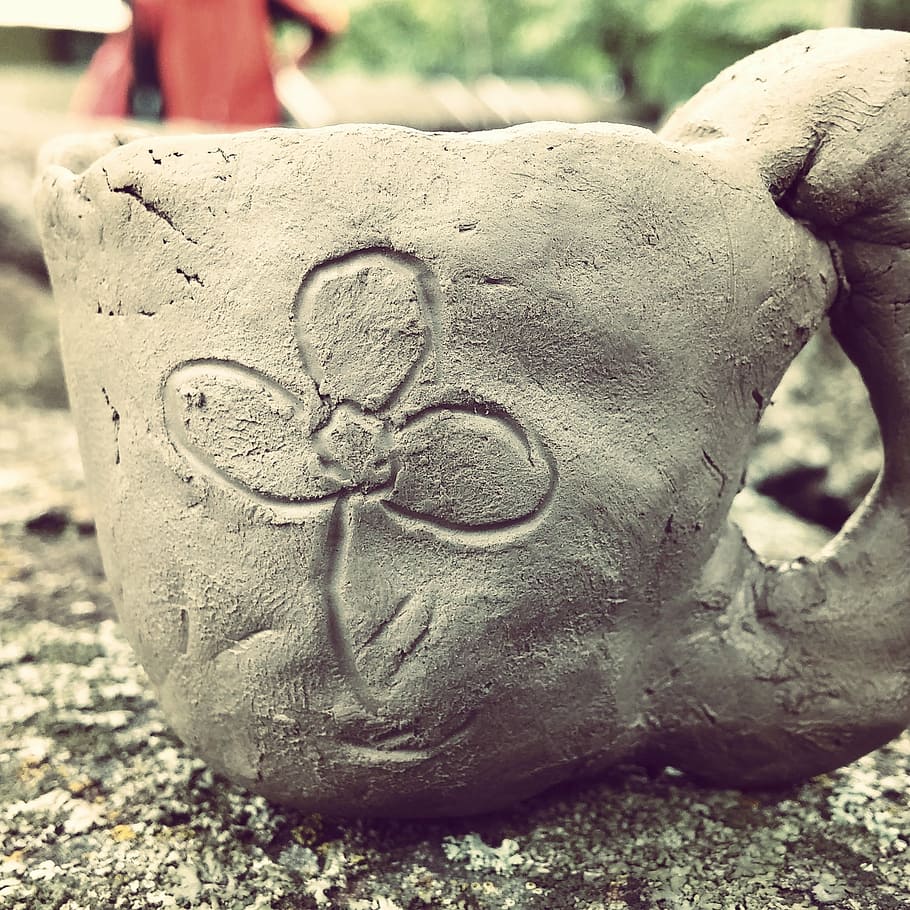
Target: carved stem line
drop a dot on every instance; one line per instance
(338, 541)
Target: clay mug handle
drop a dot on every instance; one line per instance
(818, 670)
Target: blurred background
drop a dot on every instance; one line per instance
(429, 64)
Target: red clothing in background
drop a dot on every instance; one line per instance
(213, 59)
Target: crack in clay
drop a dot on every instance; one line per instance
(388, 621)
(183, 631)
(399, 753)
(785, 196)
(403, 654)
(135, 192)
(721, 476)
(115, 419)
(191, 277)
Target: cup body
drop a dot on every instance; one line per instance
(404, 447)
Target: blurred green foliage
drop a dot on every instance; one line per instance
(656, 52)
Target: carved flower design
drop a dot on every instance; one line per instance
(365, 329)
(368, 327)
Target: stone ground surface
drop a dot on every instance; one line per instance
(101, 805)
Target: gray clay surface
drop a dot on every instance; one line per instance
(412, 453)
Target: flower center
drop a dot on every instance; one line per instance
(355, 448)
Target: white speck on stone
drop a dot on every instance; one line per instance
(19, 710)
(49, 803)
(385, 903)
(83, 817)
(44, 871)
(301, 859)
(114, 720)
(11, 653)
(12, 889)
(189, 886)
(34, 749)
(480, 857)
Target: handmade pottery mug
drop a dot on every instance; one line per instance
(412, 453)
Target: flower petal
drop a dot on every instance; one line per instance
(465, 471)
(363, 326)
(239, 426)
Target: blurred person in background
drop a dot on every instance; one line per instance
(203, 60)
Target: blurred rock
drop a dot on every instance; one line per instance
(20, 139)
(772, 531)
(30, 367)
(41, 482)
(818, 449)
(441, 103)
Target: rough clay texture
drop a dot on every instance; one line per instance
(412, 454)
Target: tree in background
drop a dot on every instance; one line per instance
(654, 52)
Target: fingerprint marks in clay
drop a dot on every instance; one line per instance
(367, 325)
